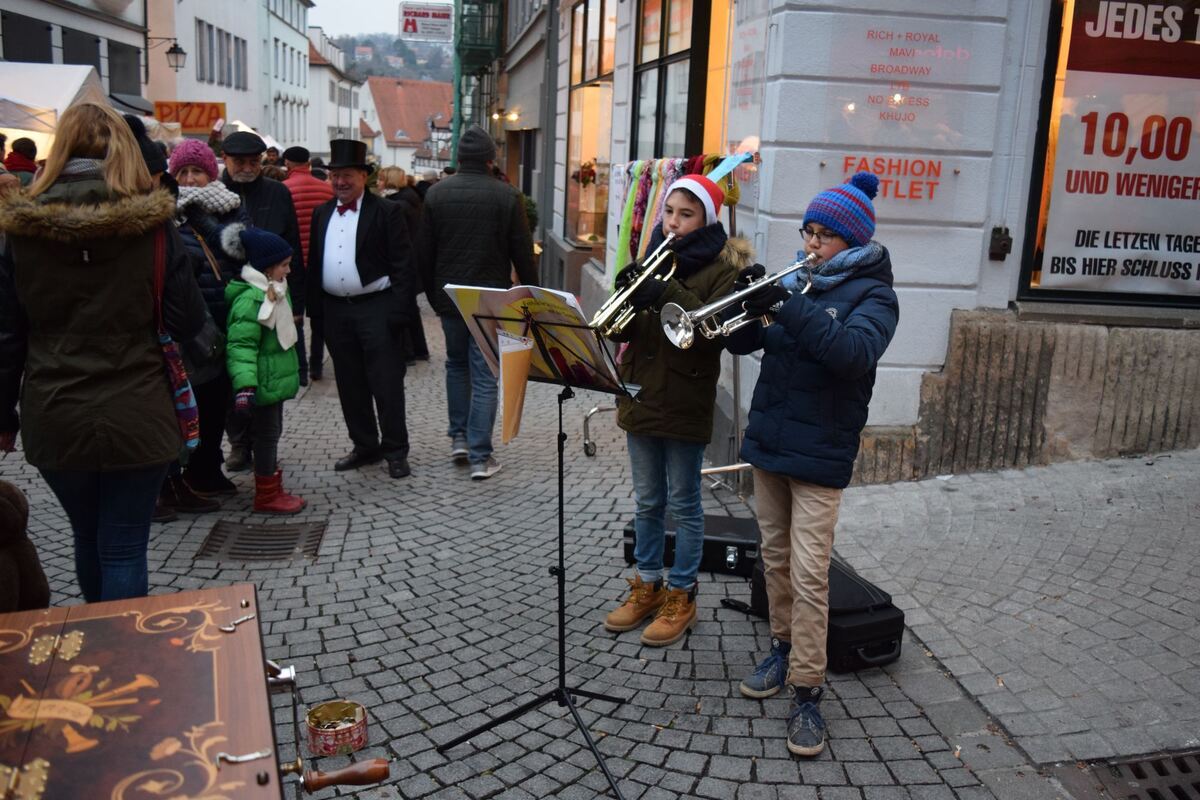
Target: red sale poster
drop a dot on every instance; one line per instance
(1124, 211)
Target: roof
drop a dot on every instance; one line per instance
(404, 106)
(365, 131)
(315, 59)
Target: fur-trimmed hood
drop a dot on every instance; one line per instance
(73, 215)
(738, 252)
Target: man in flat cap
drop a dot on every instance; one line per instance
(474, 231)
(360, 284)
(269, 205)
(307, 194)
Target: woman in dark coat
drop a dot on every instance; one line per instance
(210, 216)
(78, 341)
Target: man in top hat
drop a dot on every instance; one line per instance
(360, 284)
(307, 193)
(473, 231)
(269, 206)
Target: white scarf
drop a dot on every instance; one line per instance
(276, 311)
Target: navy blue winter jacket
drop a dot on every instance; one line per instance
(818, 370)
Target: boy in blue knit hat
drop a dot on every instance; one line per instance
(832, 322)
(261, 356)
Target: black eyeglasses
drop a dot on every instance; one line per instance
(824, 237)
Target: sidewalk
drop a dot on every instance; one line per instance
(431, 603)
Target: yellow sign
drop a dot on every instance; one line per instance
(192, 117)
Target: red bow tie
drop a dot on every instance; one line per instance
(351, 206)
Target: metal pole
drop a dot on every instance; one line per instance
(456, 115)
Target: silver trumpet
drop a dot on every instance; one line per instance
(680, 326)
(616, 312)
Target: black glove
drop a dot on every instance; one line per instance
(748, 276)
(625, 276)
(647, 294)
(766, 298)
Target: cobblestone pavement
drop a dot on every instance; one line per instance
(1065, 599)
(431, 604)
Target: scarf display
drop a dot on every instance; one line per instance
(215, 198)
(830, 273)
(276, 312)
(645, 196)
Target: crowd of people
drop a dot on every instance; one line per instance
(120, 261)
(166, 291)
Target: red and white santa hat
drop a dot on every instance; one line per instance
(704, 190)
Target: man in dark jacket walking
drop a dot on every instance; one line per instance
(473, 231)
(269, 205)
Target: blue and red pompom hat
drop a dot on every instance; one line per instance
(847, 209)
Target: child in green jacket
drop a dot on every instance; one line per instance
(261, 356)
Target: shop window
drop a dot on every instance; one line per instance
(1113, 202)
(670, 78)
(589, 125)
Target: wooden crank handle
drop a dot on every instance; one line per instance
(359, 773)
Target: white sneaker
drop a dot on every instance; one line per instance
(485, 469)
(458, 451)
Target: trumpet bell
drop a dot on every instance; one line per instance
(677, 326)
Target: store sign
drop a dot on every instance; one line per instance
(1125, 203)
(426, 22)
(192, 117)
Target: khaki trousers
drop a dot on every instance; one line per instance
(797, 520)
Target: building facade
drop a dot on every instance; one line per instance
(1037, 164)
(517, 121)
(414, 119)
(284, 89)
(109, 35)
(335, 97)
(221, 75)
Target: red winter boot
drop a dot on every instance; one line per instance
(271, 498)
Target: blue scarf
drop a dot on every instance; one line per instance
(832, 272)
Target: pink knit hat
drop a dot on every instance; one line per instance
(708, 193)
(193, 153)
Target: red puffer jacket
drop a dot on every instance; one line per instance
(307, 194)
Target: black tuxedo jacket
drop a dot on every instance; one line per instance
(382, 247)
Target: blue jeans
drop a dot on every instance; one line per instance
(110, 514)
(666, 475)
(470, 390)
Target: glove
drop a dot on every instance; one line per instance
(243, 401)
(748, 276)
(762, 301)
(647, 294)
(625, 276)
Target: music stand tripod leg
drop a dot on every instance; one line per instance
(561, 694)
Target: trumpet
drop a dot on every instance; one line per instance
(616, 312)
(680, 326)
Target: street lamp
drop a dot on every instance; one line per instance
(176, 55)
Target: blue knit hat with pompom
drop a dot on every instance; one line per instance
(846, 210)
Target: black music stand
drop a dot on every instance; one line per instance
(543, 335)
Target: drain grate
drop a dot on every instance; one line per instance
(1174, 776)
(232, 541)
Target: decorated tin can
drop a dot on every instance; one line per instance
(336, 728)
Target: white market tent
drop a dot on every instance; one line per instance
(32, 96)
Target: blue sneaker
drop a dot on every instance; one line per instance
(768, 677)
(806, 727)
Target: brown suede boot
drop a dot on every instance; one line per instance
(677, 615)
(644, 599)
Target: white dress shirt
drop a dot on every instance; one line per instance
(339, 272)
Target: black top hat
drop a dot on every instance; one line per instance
(243, 143)
(345, 153)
